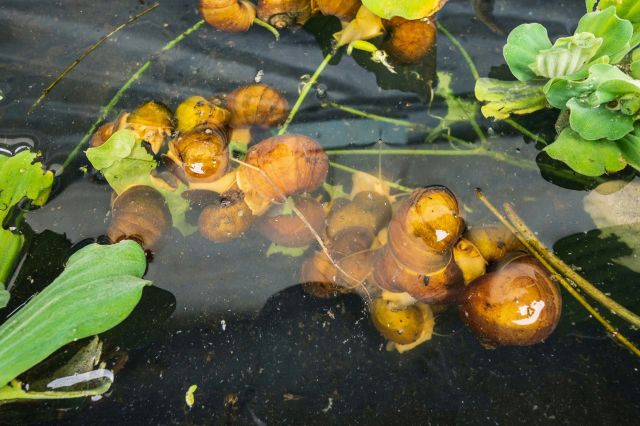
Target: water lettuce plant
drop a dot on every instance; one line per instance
(591, 76)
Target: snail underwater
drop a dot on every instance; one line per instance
(232, 281)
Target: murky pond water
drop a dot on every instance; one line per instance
(236, 322)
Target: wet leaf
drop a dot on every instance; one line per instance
(286, 251)
(600, 122)
(567, 56)
(334, 191)
(615, 32)
(504, 98)
(98, 289)
(458, 110)
(409, 9)
(523, 45)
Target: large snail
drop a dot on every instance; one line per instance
(152, 122)
(141, 214)
(493, 241)
(197, 111)
(518, 304)
(257, 104)
(345, 10)
(227, 219)
(284, 13)
(201, 153)
(228, 15)
(409, 41)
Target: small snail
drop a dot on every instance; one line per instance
(368, 210)
(318, 275)
(493, 241)
(468, 258)
(201, 153)
(228, 15)
(404, 327)
(257, 104)
(152, 122)
(409, 41)
(101, 135)
(518, 304)
(288, 229)
(197, 111)
(140, 213)
(345, 10)
(226, 220)
(284, 13)
(283, 165)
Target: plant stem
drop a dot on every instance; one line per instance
(567, 286)
(305, 91)
(271, 29)
(376, 117)
(87, 53)
(463, 51)
(116, 98)
(568, 272)
(528, 133)
(13, 391)
(386, 182)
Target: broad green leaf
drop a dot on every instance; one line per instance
(598, 122)
(567, 56)
(523, 44)
(409, 9)
(615, 32)
(630, 148)
(635, 70)
(509, 97)
(590, 158)
(626, 9)
(99, 288)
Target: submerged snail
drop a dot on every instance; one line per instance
(227, 219)
(101, 135)
(257, 104)
(287, 229)
(152, 122)
(345, 10)
(518, 304)
(409, 41)
(228, 15)
(368, 210)
(318, 275)
(197, 111)
(493, 241)
(201, 153)
(140, 213)
(469, 260)
(402, 325)
(284, 13)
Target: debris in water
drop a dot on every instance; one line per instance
(189, 397)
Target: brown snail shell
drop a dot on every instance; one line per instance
(345, 10)
(226, 220)
(518, 304)
(493, 241)
(283, 165)
(202, 154)
(355, 272)
(197, 111)
(234, 16)
(257, 104)
(349, 241)
(284, 13)
(318, 275)
(152, 122)
(368, 210)
(410, 41)
(141, 214)
(399, 325)
(469, 259)
(101, 135)
(288, 229)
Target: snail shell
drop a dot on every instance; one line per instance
(368, 210)
(152, 122)
(318, 275)
(257, 104)
(410, 41)
(518, 304)
(197, 111)
(228, 15)
(284, 13)
(101, 135)
(226, 220)
(141, 214)
(288, 229)
(468, 258)
(345, 10)
(202, 154)
(494, 241)
(283, 165)
(399, 325)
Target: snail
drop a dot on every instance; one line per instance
(368, 210)
(281, 166)
(140, 213)
(228, 15)
(287, 229)
(318, 275)
(404, 327)
(494, 241)
(201, 154)
(226, 220)
(257, 104)
(469, 260)
(409, 41)
(345, 10)
(101, 135)
(197, 111)
(518, 304)
(152, 122)
(284, 13)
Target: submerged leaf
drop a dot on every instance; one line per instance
(286, 251)
(409, 9)
(523, 45)
(509, 97)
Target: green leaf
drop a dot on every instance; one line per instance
(334, 191)
(178, 206)
(635, 70)
(509, 97)
(567, 56)
(615, 32)
(590, 5)
(523, 44)
(626, 9)
(590, 158)
(10, 246)
(98, 289)
(630, 148)
(286, 251)
(599, 122)
(458, 110)
(409, 9)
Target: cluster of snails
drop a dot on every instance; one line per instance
(407, 41)
(407, 257)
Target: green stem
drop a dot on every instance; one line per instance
(106, 110)
(14, 391)
(376, 117)
(305, 91)
(463, 51)
(528, 133)
(387, 182)
(271, 29)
